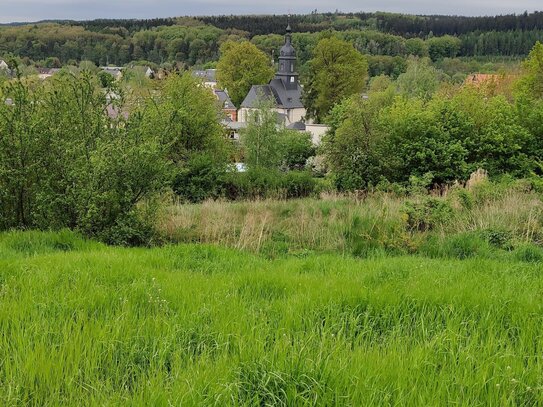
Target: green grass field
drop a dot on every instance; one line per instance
(83, 324)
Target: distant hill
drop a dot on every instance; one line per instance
(196, 40)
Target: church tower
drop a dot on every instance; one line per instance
(287, 63)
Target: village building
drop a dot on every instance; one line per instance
(227, 106)
(284, 90)
(208, 76)
(4, 66)
(115, 71)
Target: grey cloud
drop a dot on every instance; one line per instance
(33, 10)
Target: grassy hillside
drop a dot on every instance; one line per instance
(84, 324)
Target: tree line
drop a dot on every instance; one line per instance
(192, 41)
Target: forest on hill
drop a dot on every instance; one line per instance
(196, 41)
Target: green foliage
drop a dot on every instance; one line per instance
(256, 183)
(296, 148)
(442, 47)
(298, 184)
(106, 79)
(184, 118)
(354, 145)
(262, 183)
(416, 47)
(261, 137)
(268, 145)
(529, 252)
(386, 65)
(336, 71)
(66, 164)
(200, 179)
(461, 246)
(418, 142)
(241, 66)
(427, 214)
(420, 80)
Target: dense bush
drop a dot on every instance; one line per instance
(64, 163)
(426, 214)
(298, 184)
(200, 179)
(260, 183)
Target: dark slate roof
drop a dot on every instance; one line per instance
(284, 98)
(224, 99)
(300, 126)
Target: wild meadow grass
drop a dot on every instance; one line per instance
(199, 325)
(458, 223)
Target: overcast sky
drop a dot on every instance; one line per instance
(34, 10)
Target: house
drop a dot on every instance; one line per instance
(145, 69)
(208, 76)
(284, 90)
(4, 66)
(226, 104)
(115, 71)
(149, 73)
(234, 128)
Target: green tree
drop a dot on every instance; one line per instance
(261, 137)
(296, 147)
(419, 142)
(184, 116)
(443, 47)
(529, 99)
(241, 66)
(65, 163)
(354, 145)
(420, 80)
(416, 47)
(336, 72)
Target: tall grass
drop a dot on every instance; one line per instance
(197, 325)
(508, 214)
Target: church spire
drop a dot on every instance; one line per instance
(287, 62)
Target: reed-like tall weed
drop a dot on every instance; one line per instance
(504, 215)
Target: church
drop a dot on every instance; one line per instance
(284, 89)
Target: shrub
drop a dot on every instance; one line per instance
(298, 184)
(202, 178)
(135, 228)
(498, 238)
(529, 253)
(427, 214)
(460, 246)
(465, 245)
(256, 183)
